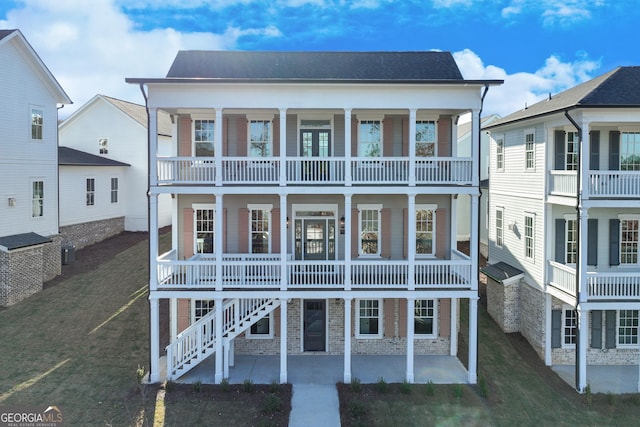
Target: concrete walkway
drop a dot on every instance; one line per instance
(603, 379)
(314, 405)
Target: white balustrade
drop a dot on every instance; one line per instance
(563, 183)
(562, 277)
(617, 286)
(614, 184)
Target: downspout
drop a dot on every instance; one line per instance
(578, 221)
(58, 163)
(146, 107)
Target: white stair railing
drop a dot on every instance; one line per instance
(198, 341)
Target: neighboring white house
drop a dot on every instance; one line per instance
(565, 221)
(314, 208)
(117, 130)
(91, 190)
(29, 100)
(464, 202)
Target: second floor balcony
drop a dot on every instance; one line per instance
(599, 286)
(600, 184)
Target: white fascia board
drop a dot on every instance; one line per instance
(293, 190)
(209, 294)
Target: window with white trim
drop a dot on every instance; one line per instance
(262, 329)
(203, 137)
(630, 151)
(260, 138)
(529, 150)
(370, 138)
(425, 230)
(91, 191)
(424, 320)
(629, 240)
(369, 318)
(37, 199)
(569, 326)
(628, 327)
(202, 307)
(529, 247)
(571, 239)
(571, 151)
(37, 123)
(204, 227)
(500, 153)
(114, 190)
(369, 230)
(499, 227)
(425, 138)
(260, 229)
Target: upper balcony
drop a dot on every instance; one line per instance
(600, 184)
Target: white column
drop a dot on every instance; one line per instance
(347, 241)
(347, 147)
(547, 331)
(582, 255)
(453, 237)
(412, 147)
(153, 146)
(475, 238)
(154, 321)
(347, 340)
(581, 348)
(284, 276)
(411, 244)
(473, 340)
(283, 147)
(283, 341)
(411, 302)
(217, 141)
(173, 309)
(153, 241)
(218, 326)
(453, 350)
(475, 147)
(219, 226)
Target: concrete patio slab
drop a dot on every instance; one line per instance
(314, 405)
(603, 379)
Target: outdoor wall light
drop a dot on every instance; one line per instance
(342, 225)
(287, 222)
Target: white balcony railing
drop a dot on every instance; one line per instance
(320, 171)
(614, 184)
(253, 271)
(599, 285)
(562, 277)
(563, 183)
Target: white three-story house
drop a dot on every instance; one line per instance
(314, 207)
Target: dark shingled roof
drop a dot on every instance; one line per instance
(617, 88)
(315, 66)
(18, 241)
(501, 271)
(70, 157)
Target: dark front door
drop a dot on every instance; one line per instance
(314, 325)
(315, 143)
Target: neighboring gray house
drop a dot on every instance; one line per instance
(565, 221)
(29, 101)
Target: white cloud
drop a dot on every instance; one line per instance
(520, 89)
(553, 12)
(451, 3)
(91, 48)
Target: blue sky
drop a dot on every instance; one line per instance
(536, 46)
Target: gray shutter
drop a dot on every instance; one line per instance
(614, 150)
(596, 329)
(559, 145)
(594, 150)
(556, 328)
(560, 239)
(614, 242)
(611, 329)
(592, 241)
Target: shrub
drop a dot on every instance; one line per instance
(224, 384)
(458, 391)
(405, 387)
(356, 409)
(382, 385)
(272, 403)
(247, 386)
(482, 386)
(356, 387)
(274, 387)
(588, 397)
(197, 386)
(430, 388)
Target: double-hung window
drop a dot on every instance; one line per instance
(499, 227)
(499, 153)
(369, 322)
(424, 320)
(91, 191)
(205, 222)
(629, 228)
(628, 327)
(569, 326)
(203, 137)
(37, 198)
(425, 138)
(571, 239)
(630, 151)
(37, 123)
(529, 150)
(260, 229)
(260, 138)
(114, 190)
(571, 151)
(369, 233)
(370, 138)
(425, 230)
(529, 237)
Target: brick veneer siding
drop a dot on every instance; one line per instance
(21, 274)
(503, 305)
(390, 344)
(88, 233)
(51, 258)
(532, 316)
